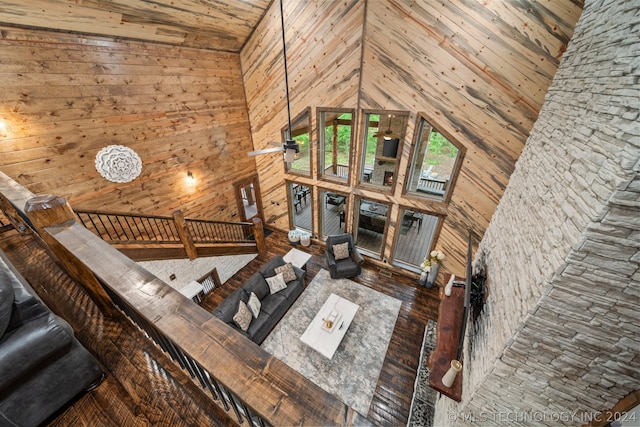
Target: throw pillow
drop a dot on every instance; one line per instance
(341, 251)
(254, 305)
(242, 317)
(287, 272)
(276, 283)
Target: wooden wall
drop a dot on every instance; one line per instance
(480, 69)
(324, 41)
(65, 97)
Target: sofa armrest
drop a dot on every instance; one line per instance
(331, 260)
(32, 346)
(356, 256)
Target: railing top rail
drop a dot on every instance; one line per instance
(135, 215)
(217, 222)
(14, 192)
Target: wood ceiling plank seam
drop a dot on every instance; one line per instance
(509, 38)
(157, 12)
(456, 75)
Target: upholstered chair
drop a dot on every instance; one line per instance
(341, 264)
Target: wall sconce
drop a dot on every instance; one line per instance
(4, 128)
(190, 178)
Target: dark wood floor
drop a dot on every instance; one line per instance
(143, 387)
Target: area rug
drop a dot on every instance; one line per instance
(353, 372)
(424, 397)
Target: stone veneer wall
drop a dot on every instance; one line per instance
(560, 338)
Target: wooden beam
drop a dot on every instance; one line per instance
(185, 236)
(47, 210)
(74, 17)
(447, 337)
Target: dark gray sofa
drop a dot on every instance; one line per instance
(42, 365)
(273, 307)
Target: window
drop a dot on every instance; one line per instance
(382, 136)
(300, 127)
(371, 218)
(332, 212)
(335, 130)
(414, 237)
(300, 206)
(435, 162)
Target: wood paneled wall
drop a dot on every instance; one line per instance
(65, 97)
(479, 68)
(324, 42)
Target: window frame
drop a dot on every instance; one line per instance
(322, 192)
(321, 144)
(291, 207)
(285, 135)
(455, 171)
(364, 131)
(357, 202)
(434, 240)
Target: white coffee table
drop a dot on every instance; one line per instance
(297, 257)
(320, 339)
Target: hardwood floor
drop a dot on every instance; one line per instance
(143, 387)
(392, 398)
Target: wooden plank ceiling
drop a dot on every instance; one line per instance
(211, 24)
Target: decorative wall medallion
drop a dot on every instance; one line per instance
(118, 163)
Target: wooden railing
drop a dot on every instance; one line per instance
(203, 231)
(432, 186)
(337, 170)
(130, 228)
(145, 237)
(249, 383)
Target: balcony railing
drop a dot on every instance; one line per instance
(339, 170)
(144, 237)
(249, 383)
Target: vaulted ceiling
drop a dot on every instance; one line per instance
(479, 68)
(209, 24)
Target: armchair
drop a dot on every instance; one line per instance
(346, 267)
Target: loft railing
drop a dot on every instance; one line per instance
(203, 231)
(337, 169)
(432, 185)
(144, 237)
(252, 385)
(129, 228)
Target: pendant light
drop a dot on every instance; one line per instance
(291, 147)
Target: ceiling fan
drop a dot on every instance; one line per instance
(290, 146)
(387, 133)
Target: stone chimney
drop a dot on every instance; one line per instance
(559, 339)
